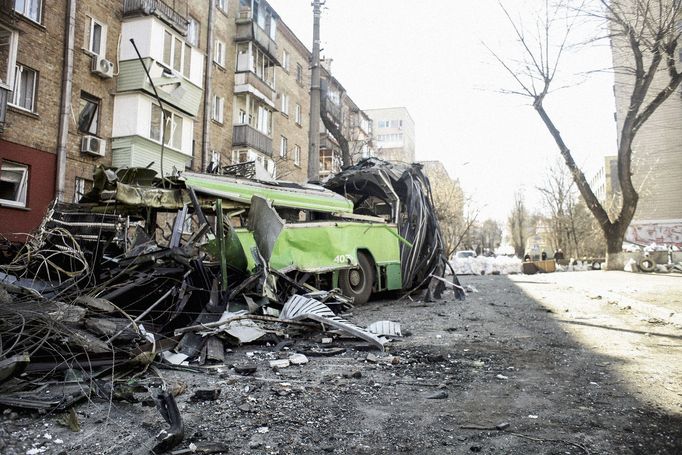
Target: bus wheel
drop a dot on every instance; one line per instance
(357, 283)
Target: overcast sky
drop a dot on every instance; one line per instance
(429, 56)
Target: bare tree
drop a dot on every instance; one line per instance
(647, 31)
(518, 224)
(449, 204)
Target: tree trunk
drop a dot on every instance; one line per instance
(615, 259)
(338, 135)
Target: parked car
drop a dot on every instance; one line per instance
(465, 254)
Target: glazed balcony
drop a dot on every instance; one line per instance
(247, 136)
(248, 30)
(248, 82)
(132, 8)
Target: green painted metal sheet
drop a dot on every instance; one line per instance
(242, 190)
(184, 95)
(321, 247)
(137, 151)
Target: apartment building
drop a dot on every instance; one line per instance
(394, 133)
(231, 84)
(656, 159)
(291, 124)
(343, 124)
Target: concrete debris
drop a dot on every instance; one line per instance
(298, 359)
(280, 363)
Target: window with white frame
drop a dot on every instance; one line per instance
(82, 187)
(285, 104)
(218, 108)
(88, 114)
(176, 53)
(297, 155)
(219, 53)
(241, 116)
(264, 120)
(8, 56)
(298, 116)
(283, 144)
(13, 183)
(32, 9)
(172, 127)
(193, 32)
(222, 5)
(24, 92)
(285, 60)
(97, 37)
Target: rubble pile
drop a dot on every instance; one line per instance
(146, 274)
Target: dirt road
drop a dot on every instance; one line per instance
(584, 362)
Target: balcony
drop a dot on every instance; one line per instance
(248, 82)
(248, 30)
(156, 8)
(247, 136)
(332, 110)
(4, 95)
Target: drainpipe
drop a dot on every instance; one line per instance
(208, 93)
(65, 105)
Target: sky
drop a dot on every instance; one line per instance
(431, 57)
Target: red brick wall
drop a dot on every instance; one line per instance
(41, 181)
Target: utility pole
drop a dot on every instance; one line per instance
(314, 132)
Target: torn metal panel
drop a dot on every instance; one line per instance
(150, 197)
(299, 307)
(385, 328)
(266, 225)
(282, 194)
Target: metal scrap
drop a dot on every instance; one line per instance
(299, 307)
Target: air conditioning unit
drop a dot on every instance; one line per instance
(93, 145)
(102, 67)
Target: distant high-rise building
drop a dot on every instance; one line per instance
(394, 137)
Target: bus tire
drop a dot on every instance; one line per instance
(357, 282)
(647, 265)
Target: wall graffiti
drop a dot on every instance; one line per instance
(659, 233)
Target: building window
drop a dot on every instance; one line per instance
(172, 127)
(193, 31)
(8, 56)
(285, 60)
(218, 108)
(297, 155)
(384, 123)
(176, 53)
(298, 116)
(240, 156)
(285, 104)
(32, 9)
(13, 183)
(88, 116)
(242, 116)
(219, 53)
(283, 143)
(24, 93)
(97, 37)
(82, 187)
(222, 5)
(299, 74)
